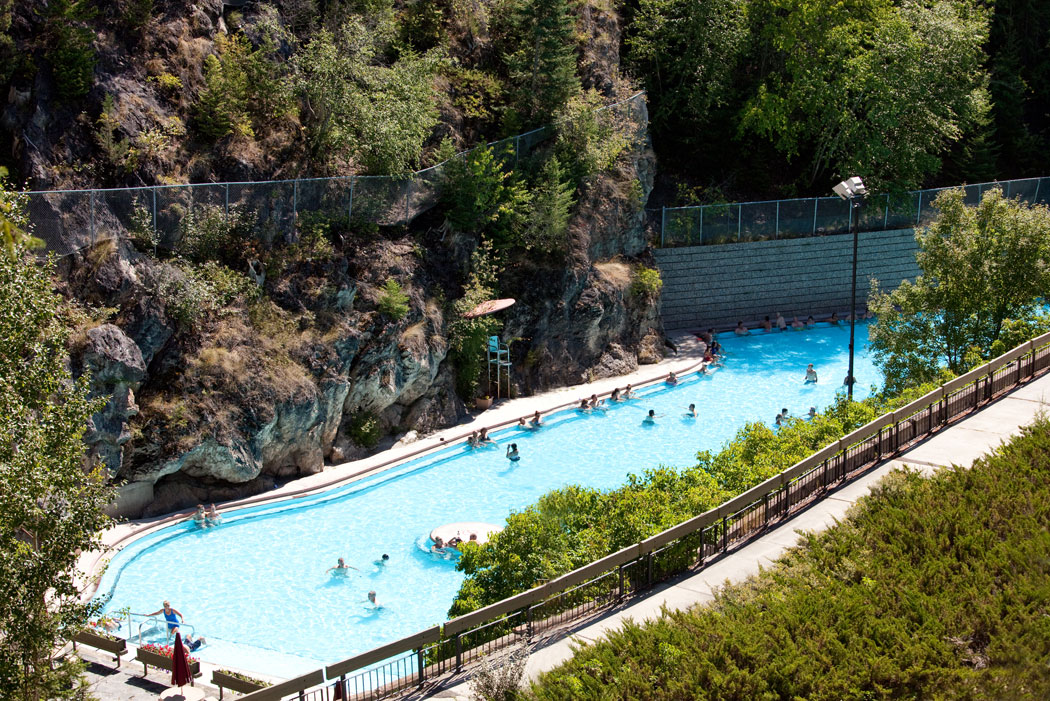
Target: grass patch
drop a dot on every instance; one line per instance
(933, 588)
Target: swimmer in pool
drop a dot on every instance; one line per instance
(536, 421)
(811, 374)
(615, 396)
(672, 379)
(512, 452)
(381, 562)
(691, 411)
(372, 600)
(340, 568)
(812, 412)
(650, 418)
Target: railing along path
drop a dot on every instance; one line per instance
(687, 547)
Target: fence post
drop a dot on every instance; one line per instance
(649, 568)
(350, 205)
(1038, 182)
(528, 623)
(92, 198)
(814, 232)
(421, 665)
(459, 652)
(663, 226)
(701, 232)
(621, 582)
(154, 219)
(776, 234)
(739, 220)
(725, 533)
(295, 203)
(886, 217)
(918, 212)
(1008, 188)
(227, 203)
(408, 189)
(517, 139)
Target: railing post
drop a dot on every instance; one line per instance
(649, 569)
(155, 236)
(725, 533)
(776, 234)
(92, 199)
(663, 226)
(227, 203)
(918, 211)
(459, 651)
(421, 665)
(528, 623)
(622, 580)
(814, 231)
(701, 241)
(739, 220)
(295, 203)
(886, 217)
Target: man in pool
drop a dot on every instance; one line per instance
(340, 568)
(811, 374)
(381, 562)
(628, 393)
(781, 324)
(172, 616)
(372, 600)
(672, 379)
(512, 452)
(650, 418)
(767, 325)
(741, 330)
(691, 411)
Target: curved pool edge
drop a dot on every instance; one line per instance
(93, 563)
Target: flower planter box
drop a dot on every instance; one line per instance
(87, 637)
(483, 403)
(228, 681)
(153, 659)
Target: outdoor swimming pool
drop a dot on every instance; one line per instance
(256, 586)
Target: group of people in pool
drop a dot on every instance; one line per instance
(206, 518)
(781, 324)
(784, 415)
(342, 569)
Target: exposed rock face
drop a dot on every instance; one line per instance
(117, 368)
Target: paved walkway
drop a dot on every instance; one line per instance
(959, 444)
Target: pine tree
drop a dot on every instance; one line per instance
(543, 68)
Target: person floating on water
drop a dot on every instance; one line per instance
(811, 374)
(512, 452)
(691, 411)
(340, 568)
(172, 616)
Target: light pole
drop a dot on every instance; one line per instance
(852, 190)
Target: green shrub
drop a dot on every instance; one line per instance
(191, 292)
(207, 232)
(168, 83)
(933, 588)
(468, 338)
(393, 302)
(364, 430)
(140, 229)
(552, 199)
(646, 282)
(587, 141)
(70, 47)
(136, 14)
(481, 197)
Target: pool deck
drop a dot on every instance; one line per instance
(959, 444)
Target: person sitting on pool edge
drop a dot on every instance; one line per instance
(192, 644)
(172, 616)
(811, 374)
(512, 452)
(340, 568)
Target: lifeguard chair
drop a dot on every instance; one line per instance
(499, 359)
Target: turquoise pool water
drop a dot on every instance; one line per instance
(256, 586)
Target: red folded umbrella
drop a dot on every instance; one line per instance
(180, 667)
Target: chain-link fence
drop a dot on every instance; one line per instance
(70, 220)
(820, 216)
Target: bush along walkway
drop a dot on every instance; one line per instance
(932, 588)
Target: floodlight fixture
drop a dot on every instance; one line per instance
(850, 188)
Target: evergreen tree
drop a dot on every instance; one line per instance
(552, 200)
(543, 66)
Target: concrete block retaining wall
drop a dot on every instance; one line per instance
(719, 285)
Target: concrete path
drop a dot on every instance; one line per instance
(960, 444)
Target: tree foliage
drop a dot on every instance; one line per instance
(50, 501)
(983, 268)
(481, 196)
(70, 47)
(356, 107)
(541, 58)
(468, 337)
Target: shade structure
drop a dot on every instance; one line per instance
(180, 666)
(489, 307)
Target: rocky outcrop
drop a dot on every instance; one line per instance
(116, 368)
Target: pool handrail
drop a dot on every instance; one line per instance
(834, 456)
